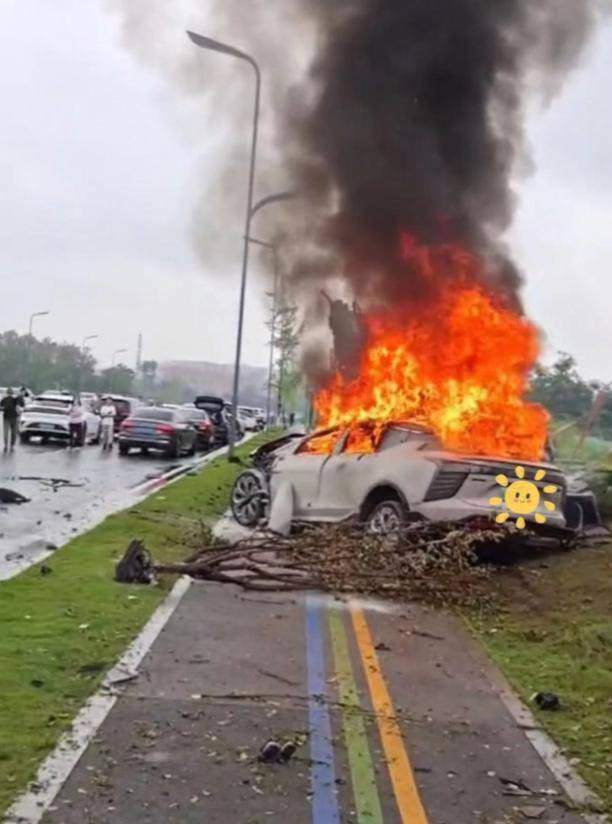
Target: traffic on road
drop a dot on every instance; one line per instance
(70, 459)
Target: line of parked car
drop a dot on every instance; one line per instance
(172, 429)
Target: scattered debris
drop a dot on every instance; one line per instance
(270, 752)
(515, 787)
(548, 701)
(273, 752)
(433, 562)
(9, 496)
(136, 566)
(45, 570)
(533, 812)
(382, 647)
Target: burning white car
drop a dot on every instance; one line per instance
(384, 475)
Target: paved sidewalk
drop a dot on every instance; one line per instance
(395, 715)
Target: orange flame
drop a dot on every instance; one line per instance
(457, 362)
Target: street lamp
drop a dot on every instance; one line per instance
(27, 376)
(89, 337)
(214, 45)
(117, 352)
(274, 249)
(36, 315)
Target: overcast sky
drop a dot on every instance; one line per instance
(99, 177)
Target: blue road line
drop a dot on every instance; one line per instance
(322, 773)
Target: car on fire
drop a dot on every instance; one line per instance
(383, 475)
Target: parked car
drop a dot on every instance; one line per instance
(249, 420)
(203, 424)
(47, 418)
(158, 428)
(125, 407)
(381, 475)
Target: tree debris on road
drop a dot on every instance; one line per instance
(432, 562)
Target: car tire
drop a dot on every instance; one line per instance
(23, 438)
(124, 449)
(193, 448)
(387, 518)
(249, 507)
(174, 450)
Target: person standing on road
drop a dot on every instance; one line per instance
(77, 424)
(108, 412)
(11, 407)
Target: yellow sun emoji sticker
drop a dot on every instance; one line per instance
(522, 497)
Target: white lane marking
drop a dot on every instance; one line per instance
(30, 807)
(55, 770)
(573, 785)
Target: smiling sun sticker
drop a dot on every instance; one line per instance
(522, 497)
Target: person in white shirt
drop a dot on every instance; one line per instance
(77, 424)
(108, 413)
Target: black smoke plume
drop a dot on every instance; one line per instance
(412, 121)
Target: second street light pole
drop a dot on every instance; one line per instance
(274, 249)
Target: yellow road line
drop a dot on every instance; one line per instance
(402, 777)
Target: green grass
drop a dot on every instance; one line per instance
(60, 632)
(554, 633)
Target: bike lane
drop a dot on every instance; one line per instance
(394, 718)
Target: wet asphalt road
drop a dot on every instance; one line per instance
(91, 485)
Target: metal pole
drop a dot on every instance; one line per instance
(26, 377)
(272, 333)
(245, 261)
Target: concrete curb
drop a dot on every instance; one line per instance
(30, 807)
(573, 785)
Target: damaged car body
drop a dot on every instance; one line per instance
(384, 475)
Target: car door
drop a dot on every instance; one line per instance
(345, 475)
(302, 469)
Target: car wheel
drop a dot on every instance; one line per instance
(123, 449)
(23, 438)
(387, 518)
(248, 498)
(193, 448)
(174, 450)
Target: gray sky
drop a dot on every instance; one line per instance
(101, 166)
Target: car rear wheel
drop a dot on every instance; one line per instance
(248, 499)
(387, 518)
(123, 449)
(23, 438)
(174, 450)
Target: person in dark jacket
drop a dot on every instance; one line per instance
(11, 406)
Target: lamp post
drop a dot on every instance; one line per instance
(83, 351)
(29, 345)
(117, 352)
(274, 249)
(87, 338)
(214, 45)
(36, 315)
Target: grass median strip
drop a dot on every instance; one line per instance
(553, 633)
(60, 632)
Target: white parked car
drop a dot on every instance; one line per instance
(383, 476)
(47, 418)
